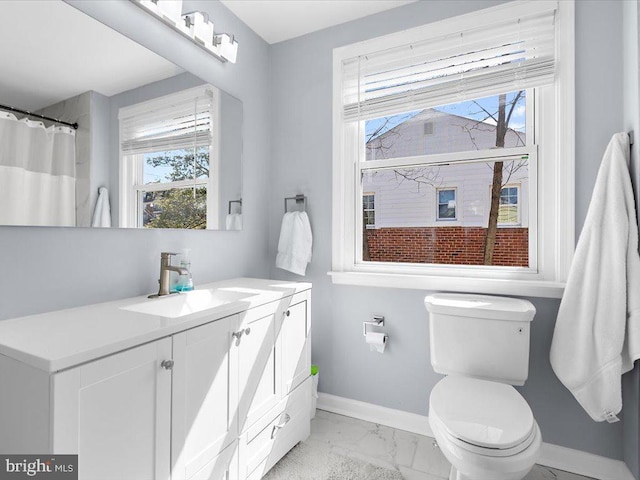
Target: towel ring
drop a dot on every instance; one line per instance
(235, 201)
(300, 198)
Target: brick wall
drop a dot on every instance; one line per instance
(447, 245)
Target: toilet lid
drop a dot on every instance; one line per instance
(483, 413)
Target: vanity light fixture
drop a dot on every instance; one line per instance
(199, 28)
(196, 26)
(170, 10)
(227, 46)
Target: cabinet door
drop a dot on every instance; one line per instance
(254, 355)
(202, 420)
(295, 348)
(115, 414)
(222, 467)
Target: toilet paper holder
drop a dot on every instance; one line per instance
(378, 321)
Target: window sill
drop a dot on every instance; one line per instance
(492, 286)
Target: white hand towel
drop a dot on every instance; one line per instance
(102, 212)
(294, 246)
(597, 332)
(234, 221)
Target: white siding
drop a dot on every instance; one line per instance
(401, 202)
(405, 203)
(451, 133)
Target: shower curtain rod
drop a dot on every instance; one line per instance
(24, 112)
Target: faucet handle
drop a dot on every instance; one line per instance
(167, 254)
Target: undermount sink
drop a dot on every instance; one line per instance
(178, 305)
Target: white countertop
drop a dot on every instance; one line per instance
(58, 340)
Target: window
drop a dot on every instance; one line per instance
(421, 208)
(446, 204)
(422, 119)
(509, 211)
(168, 154)
(369, 209)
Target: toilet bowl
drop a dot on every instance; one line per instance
(485, 429)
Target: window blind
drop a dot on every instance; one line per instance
(182, 121)
(500, 56)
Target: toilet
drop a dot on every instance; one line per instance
(482, 425)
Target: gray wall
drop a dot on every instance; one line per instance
(46, 269)
(230, 149)
(402, 378)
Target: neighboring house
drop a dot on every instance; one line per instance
(404, 206)
(432, 131)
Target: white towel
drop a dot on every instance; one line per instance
(597, 332)
(234, 221)
(102, 212)
(294, 246)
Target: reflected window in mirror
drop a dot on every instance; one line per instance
(169, 161)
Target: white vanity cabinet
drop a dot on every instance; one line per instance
(222, 400)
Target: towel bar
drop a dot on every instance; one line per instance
(300, 198)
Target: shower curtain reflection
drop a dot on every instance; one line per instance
(37, 173)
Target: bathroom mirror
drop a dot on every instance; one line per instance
(155, 144)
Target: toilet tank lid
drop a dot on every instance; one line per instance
(480, 306)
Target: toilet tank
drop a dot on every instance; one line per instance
(480, 336)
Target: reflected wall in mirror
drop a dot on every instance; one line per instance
(156, 146)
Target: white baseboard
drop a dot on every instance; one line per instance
(554, 456)
(583, 463)
(410, 422)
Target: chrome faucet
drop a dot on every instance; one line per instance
(165, 268)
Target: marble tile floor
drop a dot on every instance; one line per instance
(415, 456)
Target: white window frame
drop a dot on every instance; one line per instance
(455, 200)
(132, 168)
(551, 173)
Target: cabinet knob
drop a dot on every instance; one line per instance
(238, 335)
(167, 364)
(287, 313)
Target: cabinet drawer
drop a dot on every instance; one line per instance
(256, 313)
(264, 445)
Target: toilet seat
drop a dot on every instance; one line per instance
(481, 416)
(487, 452)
